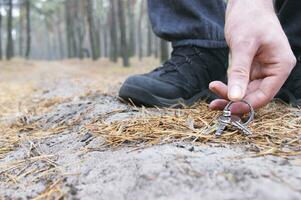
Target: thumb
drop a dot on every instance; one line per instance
(242, 55)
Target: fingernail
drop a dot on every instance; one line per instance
(235, 93)
(213, 105)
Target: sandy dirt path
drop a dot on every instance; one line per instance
(46, 153)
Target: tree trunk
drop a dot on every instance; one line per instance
(10, 45)
(156, 44)
(28, 29)
(140, 37)
(93, 33)
(123, 41)
(149, 40)
(99, 35)
(105, 39)
(1, 56)
(71, 40)
(60, 35)
(113, 32)
(164, 50)
(21, 30)
(68, 28)
(48, 42)
(80, 10)
(131, 18)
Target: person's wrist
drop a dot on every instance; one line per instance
(267, 5)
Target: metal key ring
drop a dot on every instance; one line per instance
(251, 114)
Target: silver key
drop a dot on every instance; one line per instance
(223, 122)
(220, 128)
(238, 124)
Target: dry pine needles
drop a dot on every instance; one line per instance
(276, 130)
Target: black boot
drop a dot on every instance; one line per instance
(183, 79)
(291, 90)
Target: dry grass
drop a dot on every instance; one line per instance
(276, 130)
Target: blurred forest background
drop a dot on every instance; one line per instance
(65, 29)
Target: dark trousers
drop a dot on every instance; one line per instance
(201, 22)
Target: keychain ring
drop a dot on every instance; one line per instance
(251, 113)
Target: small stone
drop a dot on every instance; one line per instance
(191, 149)
(86, 137)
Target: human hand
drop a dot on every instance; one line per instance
(261, 56)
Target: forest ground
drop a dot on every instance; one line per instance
(46, 151)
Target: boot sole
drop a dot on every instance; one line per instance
(139, 96)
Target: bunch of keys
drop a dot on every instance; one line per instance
(227, 119)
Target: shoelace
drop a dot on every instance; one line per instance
(171, 65)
